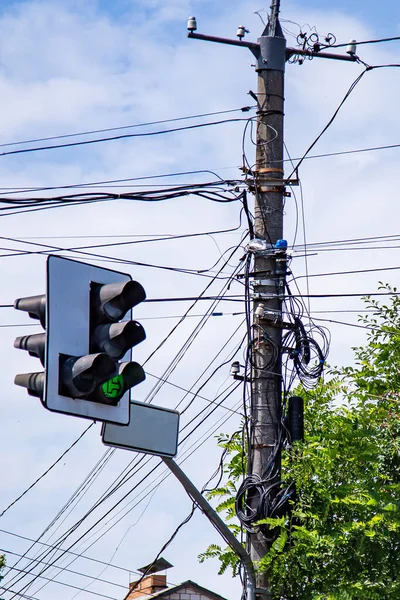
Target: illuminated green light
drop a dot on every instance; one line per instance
(113, 388)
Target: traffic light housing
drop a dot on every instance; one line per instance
(86, 349)
(34, 344)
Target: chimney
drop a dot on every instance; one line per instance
(149, 585)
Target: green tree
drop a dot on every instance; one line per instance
(2, 564)
(341, 538)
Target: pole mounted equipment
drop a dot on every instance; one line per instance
(86, 348)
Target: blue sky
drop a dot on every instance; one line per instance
(65, 68)
(377, 15)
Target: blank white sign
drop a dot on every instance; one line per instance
(151, 430)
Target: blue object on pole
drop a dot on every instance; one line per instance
(281, 245)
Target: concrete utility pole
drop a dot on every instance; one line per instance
(267, 182)
(269, 280)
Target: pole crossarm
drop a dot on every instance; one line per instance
(253, 46)
(256, 49)
(311, 54)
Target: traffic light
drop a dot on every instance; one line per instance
(98, 376)
(35, 344)
(86, 349)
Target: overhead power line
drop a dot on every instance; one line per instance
(90, 559)
(378, 41)
(70, 585)
(347, 295)
(121, 137)
(15, 190)
(94, 131)
(97, 503)
(112, 181)
(345, 97)
(355, 272)
(47, 470)
(9, 552)
(64, 537)
(344, 152)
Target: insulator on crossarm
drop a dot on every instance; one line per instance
(192, 24)
(351, 48)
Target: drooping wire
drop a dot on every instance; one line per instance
(3, 512)
(174, 120)
(121, 137)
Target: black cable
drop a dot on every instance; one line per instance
(63, 552)
(112, 181)
(370, 328)
(143, 240)
(154, 487)
(355, 272)
(195, 300)
(167, 543)
(199, 116)
(349, 295)
(347, 94)
(23, 537)
(344, 152)
(198, 316)
(9, 552)
(216, 191)
(120, 137)
(82, 489)
(354, 240)
(47, 470)
(70, 585)
(210, 413)
(48, 249)
(167, 475)
(378, 41)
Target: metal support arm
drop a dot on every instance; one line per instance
(212, 516)
(256, 49)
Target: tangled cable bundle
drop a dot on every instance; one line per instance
(258, 499)
(307, 354)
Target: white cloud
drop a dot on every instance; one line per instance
(66, 67)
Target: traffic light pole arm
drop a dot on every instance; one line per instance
(255, 48)
(212, 516)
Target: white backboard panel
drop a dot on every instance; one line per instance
(151, 430)
(67, 330)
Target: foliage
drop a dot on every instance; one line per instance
(2, 565)
(341, 540)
